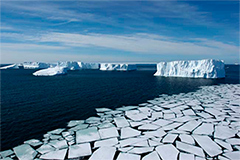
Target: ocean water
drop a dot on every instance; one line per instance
(32, 106)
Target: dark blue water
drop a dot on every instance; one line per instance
(31, 106)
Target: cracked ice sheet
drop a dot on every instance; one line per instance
(185, 156)
(208, 145)
(151, 156)
(121, 122)
(169, 138)
(108, 132)
(189, 126)
(137, 117)
(167, 152)
(58, 144)
(148, 126)
(129, 132)
(106, 142)
(204, 128)
(6, 153)
(24, 152)
(224, 132)
(79, 150)
(59, 155)
(128, 156)
(103, 153)
(141, 150)
(87, 135)
(45, 148)
(190, 148)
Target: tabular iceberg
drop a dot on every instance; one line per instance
(207, 68)
(51, 71)
(117, 67)
(11, 66)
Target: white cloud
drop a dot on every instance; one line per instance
(141, 43)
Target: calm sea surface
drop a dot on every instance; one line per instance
(31, 106)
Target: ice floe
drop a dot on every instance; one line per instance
(206, 126)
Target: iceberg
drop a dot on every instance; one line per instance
(83, 65)
(34, 65)
(117, 67)
(11, 66)
(51, 71)
(207, 68)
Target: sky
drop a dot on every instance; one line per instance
(119, 31)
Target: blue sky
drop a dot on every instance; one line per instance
(119, 31)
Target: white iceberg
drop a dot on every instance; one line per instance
(117, 67)
(11, 66)
(51, 71)
(34, 65)
(207, 68)
(83, 65)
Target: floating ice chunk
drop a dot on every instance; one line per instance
(151, 156)
(153, 143)
(148, 127)
(103, 109)
(75, 122)
(129, 132)
(56, 131)
(158, 133)
(87, 135)
(106, 125)
(79, 150)
(234, 141)
(143, 143)
(162, 122)
(93, 120)
(171, 126)
(125, 149)
(224, 144)
(106, 142)
(224, 132)
(185, 156)
(6, 153)
(208, 145)
(135, 124)
(24, 152)
(126, 156)
(117, 67)
(51, 71)
(103, 153)
(126, 108)
(187, 139)
(7, 158)
(34, 142)
(207, 68)
(78, 127)
(130, 141)
(121, 122)
(204, 128)
(59, 155)
(141, 150)
(190, 148)
(108, 133)
(189, 126)
(167, 152)
(169, 138)
(189, 112)
(58, 144)
(233, 155)
(137, 117)
(45, 149)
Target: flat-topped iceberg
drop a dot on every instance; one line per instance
(51, 71)
(11, 66)
(117, 67)
(207, 68)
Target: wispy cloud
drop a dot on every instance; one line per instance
(141, 43)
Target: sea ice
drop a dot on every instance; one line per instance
(87, 135)
(79, 150)
(106, 142)
(103, 153)
(24, 152)
(108, 132)
(128, 156)
(141, 150)
(190, 148)
(167, 152)
(128, 132)
(58, 155)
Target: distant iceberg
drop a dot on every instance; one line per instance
(51, 71)
(117, 67)
(70, 65)
(207, 68)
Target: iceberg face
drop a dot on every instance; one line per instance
(51, 71)
(208, 68)
(83, 65)
(117, 67)
(34, 65)
(12, 66)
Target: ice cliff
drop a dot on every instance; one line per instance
(207, 68)
(117, 67)
(51, 71)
